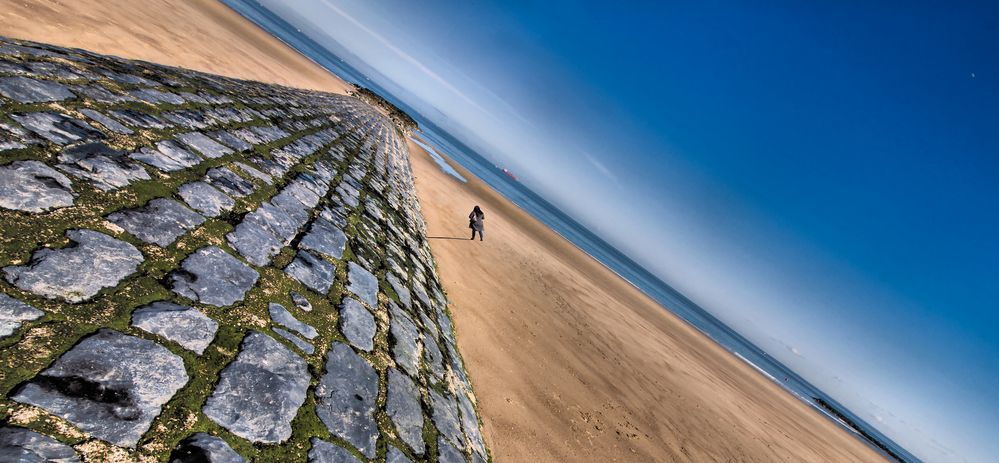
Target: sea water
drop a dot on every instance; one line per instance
(444, 144)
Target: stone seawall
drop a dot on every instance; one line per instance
(197, 268)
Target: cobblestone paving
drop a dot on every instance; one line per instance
(198, 268)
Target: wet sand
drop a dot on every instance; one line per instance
(572, 363)
(204, 35)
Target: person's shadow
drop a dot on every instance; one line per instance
(446, 238)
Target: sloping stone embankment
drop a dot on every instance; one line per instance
(196, 268)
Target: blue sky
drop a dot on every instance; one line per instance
(822, 176)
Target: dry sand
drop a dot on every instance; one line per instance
(196, 34)
(571, 363)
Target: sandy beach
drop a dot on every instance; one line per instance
(569, 362)
(204, 35)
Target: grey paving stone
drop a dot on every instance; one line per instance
(58, 128)
(283, 317)
(206, 146)
(314, 272)
(155, 96)
(186, 326)
(28, 90)
(421, 294)
(278, 221)
(109, 385)
(161, 221)
(13, 313)
(406, 348)
(346, 396)
(139, 119)
(107, 169)
(212, 276)
(205, 199)
(433, 356)
(230, 140)
(395, 455)
(260, 392)
(445, 416)
(325, 238)
(403, 407)
(325, 452)
(31, 186)
(99, 94)
(254, 242)
(254, 172)
(400, 289)
(230, 183)
(168, 156)
(106, 121)
(77, 272)
(300, 301)
(470, 424)
(447, 453)
(362, 283)
(204, 448)
(357, 324)
(19, 445)
(293, 338)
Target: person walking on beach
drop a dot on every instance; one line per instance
(475, 221)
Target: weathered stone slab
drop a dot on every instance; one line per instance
(277, 221)
(435, 359)
(106, 121)
(357, 324)
(403, 407)
(106, 168)
(445, 417)
(110, 385)
(283, 317)
(314, 272)
(325, 452)
(254, 242)
(28, 90)
(406, 348)
(470, 423)
(205, 199)
(19, 445)
(211, 276)
(230, 183)
(14, 312)
(447, 453)
(204, 448)
(325, 238)
(161, 221)
(139, 119)
(362, 283)
(77, 272)
(168, 156)
(155, 97)
(345, 398)
(260, 392)
(400, 289)
(204, 145)
(31, 186)
(293, 338)
(254, 172)
(186, 326)
(58, 128)
(395, 455)
(231, 140)
(300, 301)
